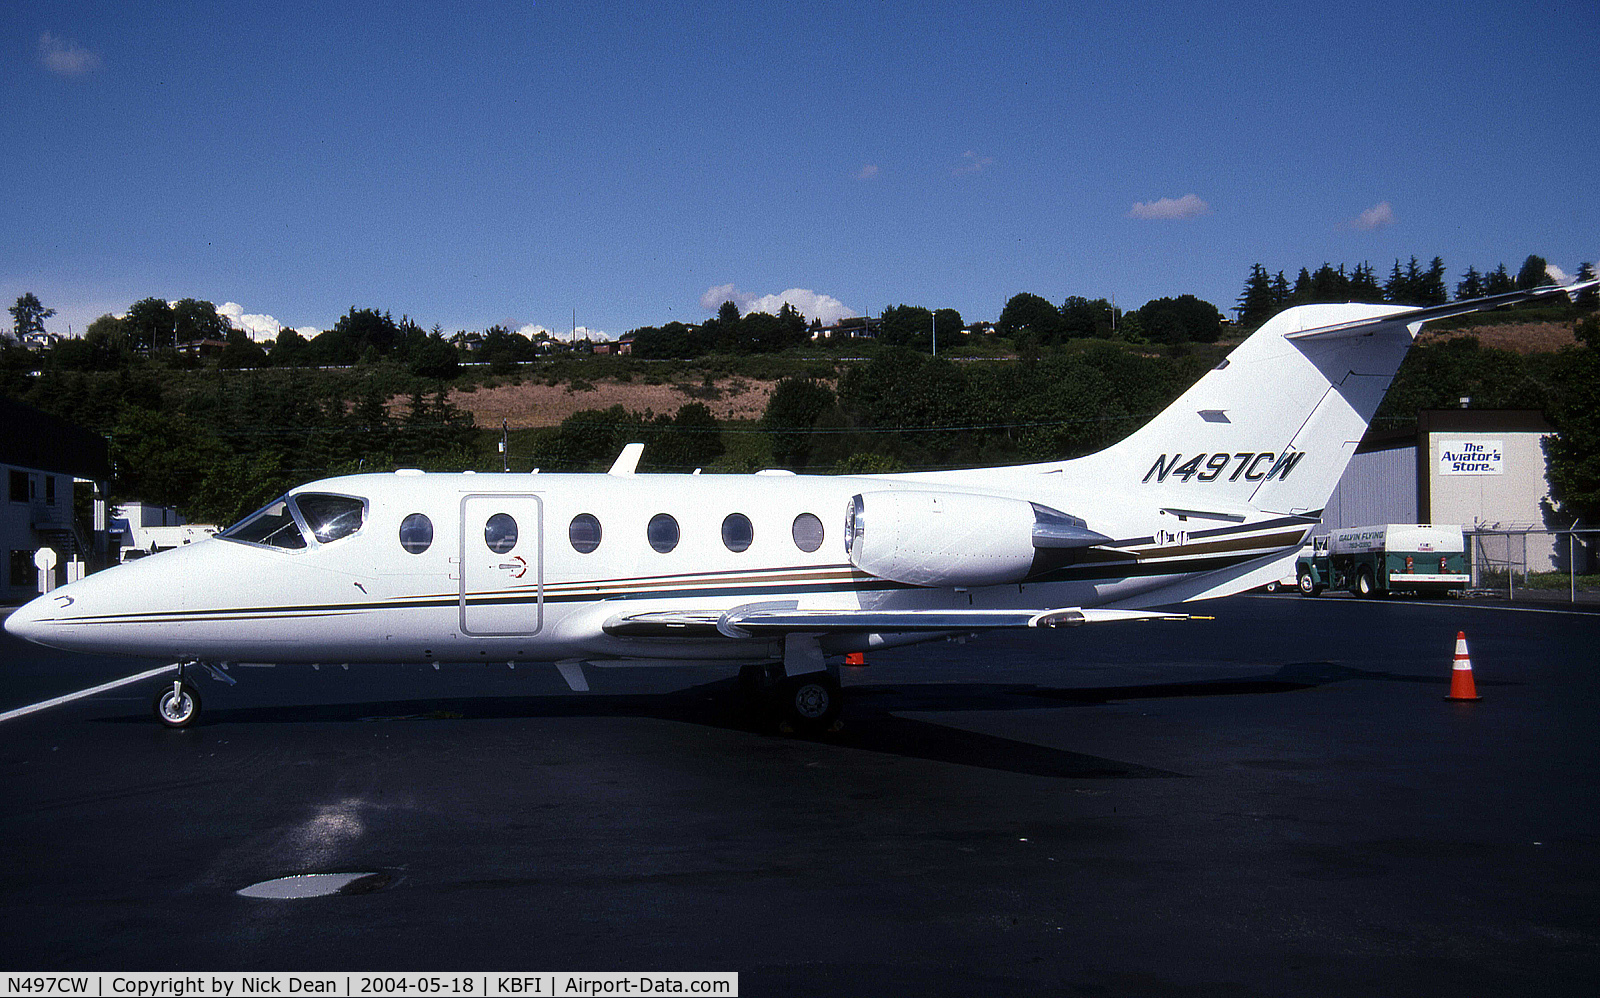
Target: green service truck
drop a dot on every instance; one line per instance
(1423, 558)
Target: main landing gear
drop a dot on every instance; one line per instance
(798, 696)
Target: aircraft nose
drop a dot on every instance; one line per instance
(33, 621)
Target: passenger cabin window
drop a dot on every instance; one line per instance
(330, 517)
(737, 532)
(272, 525)
(662, 532)
(584, 533)
(500, 533)
(807, 532)
(416, 533)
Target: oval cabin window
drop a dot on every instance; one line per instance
(500, 533)
(737, 532)
(416, 533)
(584, 533)
(662, 532)
(807, 532)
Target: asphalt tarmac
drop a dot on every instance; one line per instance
(1276, 802)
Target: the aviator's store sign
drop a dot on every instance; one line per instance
(1471, 457)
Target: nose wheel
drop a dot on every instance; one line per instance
(178, 705)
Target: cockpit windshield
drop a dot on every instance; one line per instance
(279, 523)
(272, 525)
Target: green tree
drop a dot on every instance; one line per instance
(1534, 273)
(691, 439)
(151, 325)
(1258, 302)
(1498, 282)
(241, 351)
(1364, 285)
(194, 320)
(1430, 288)
(907, 326)
(1470, 286)
(27, 317)
(1028, 313)
(948, 322)
(1573, 453)
(792, 413)
(1082, 318)
(1184, 319)
(1589, 298)
(589, 440)
(161, 456)
(437, 358)
(290, 349)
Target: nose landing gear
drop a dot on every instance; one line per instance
(178, 705)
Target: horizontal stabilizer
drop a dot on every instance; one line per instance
(1361, 327)
(768, 620)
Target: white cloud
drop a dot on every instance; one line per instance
(1378, 216)
(1556, 274)
(808, 303)
(971, 162)
(714, 297)
(65, 58)
(1169, 209)
(259, 327)
(867, 172)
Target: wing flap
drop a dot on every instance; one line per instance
(766, 619)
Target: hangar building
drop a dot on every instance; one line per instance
(1482, 468)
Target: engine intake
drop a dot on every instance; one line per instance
(956, 539)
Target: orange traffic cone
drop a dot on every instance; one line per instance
(1461, 685)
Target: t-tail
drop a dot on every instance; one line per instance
(1273, 426)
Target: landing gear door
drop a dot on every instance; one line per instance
(502, 565)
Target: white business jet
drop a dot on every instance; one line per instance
(777, 573)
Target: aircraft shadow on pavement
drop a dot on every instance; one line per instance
(874, 716)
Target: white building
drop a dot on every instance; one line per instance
(41, 460)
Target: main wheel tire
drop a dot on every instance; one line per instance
(177, 710)
(1308, 585)
(809, 703)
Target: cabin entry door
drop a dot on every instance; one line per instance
(502, 564)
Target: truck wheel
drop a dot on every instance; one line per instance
(1308, 586)
(1364, 586)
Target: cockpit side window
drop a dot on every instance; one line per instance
(273, 525)
(330, 517)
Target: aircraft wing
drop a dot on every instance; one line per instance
(756, 619)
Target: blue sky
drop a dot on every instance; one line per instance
(468, 164)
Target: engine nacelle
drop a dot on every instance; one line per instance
(955, 539)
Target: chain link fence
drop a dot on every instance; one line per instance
(1532, 563)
